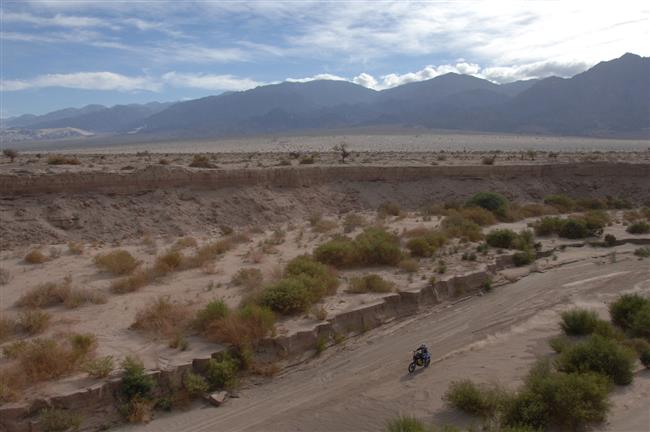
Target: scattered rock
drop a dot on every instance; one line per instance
(217, 398)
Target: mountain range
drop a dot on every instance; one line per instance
(611, 98)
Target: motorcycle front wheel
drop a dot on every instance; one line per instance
(412, 367)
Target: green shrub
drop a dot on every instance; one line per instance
(600, 355)
(641, 323)
(491, 201)
(249, 278)
(213, 311)
(574, 229)
(319, 278)
(478, 215)
(578, 322)
(561, 202)
(195, 384)
(624, 310)
(376, 246)
(59, 420)
(473, 399)
(287, 296)
(596, 221)
(222, 373)
(409, 265)
(339, 252)
(645, 358)
(559, 343)
(389, 208)
(370, 283)
(135, 381)
(501, 238)
(100, 367)
(643, 252)
(522, 258)
(406, 424)
(549, 398)
(548, 225)
(639, 227)
(420, 247)
(610, 240)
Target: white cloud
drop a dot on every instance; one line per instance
(366, 80)
(324, 76)
(209, 82)
(85, 81)
(58, 20)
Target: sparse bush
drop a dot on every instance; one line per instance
(408, 265)
(491, 201)
(639, 227)
(370, 283)
(201, 161)
(249, 278)
(209, 252)
(319, 313)
(59, 420)
(195, 384)
(321, 344)
(135, 381)
(643, 252)
(406, 424)
(600, 355)
(100, 367)
(33, 321)
(35, 256)
(82, 344)
(548, 225)
(389, 209)
(488, 160)
(213, 311)
(76, 248)
(62, 160)
(222, 373)
(307, 160)
(610, 240)
(353, 221)
(184, 243)
(45, 295)
(7, 328)
(162, 318)
(10, 153)
(578, 322)
(118, 262)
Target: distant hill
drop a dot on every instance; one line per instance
(611, 98)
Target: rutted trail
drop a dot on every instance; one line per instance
(359, 385)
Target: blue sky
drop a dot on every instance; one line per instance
(57, 54)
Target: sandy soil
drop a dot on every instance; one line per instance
(360, 385)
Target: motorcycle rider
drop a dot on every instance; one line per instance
(422, 352)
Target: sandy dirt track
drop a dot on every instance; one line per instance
(360, 384)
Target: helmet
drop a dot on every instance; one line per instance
(423, 346)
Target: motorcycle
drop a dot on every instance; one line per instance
(419, 360)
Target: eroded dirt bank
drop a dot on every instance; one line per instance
(163, 200)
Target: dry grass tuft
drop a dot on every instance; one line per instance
(35, 256)
(370, 283)
(184, 243)
(33, 321)
(75, 248)
(245, 327)
(62, 160)
(133, 282)
(118, 262)
(162, 318)
(169, 262)
(53, 294)
(7, 328)
(249, 278)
